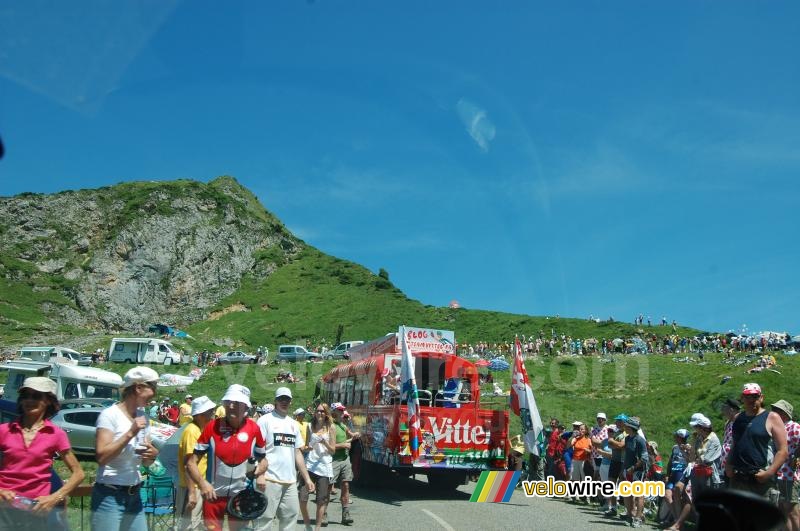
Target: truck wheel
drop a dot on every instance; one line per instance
(444, 481)
(370, 474)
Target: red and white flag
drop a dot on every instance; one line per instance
(408, 392)
(524, 404)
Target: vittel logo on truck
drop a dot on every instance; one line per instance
(458, 432)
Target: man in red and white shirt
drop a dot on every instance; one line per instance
(788, 474)
(229, 443)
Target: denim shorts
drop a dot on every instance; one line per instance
(116, 508)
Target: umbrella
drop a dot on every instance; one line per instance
(482, 363)
(498, 364)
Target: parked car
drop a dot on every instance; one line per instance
(78, 419)
(341, 351)
(85, 361)
(297, 353)
(236, 356)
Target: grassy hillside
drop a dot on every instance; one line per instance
(309, 298)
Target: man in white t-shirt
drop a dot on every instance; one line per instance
(283, 443)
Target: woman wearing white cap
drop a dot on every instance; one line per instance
(116, 503)
(706, 453)
(28, 446)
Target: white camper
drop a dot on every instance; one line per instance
(142, 350)
(72, 382)
(49, 354)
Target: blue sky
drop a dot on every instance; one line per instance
(594, 158)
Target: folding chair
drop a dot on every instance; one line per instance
(158, 499)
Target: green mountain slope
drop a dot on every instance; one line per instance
(81, 266)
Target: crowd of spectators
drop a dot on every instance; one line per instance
(644, 343)
(757, 451)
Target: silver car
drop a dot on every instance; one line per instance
(78, 418)
(236, 356)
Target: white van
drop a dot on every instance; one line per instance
(142, 350)
(340, 352)
(72, 382)
(49, 354)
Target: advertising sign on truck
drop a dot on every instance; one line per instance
(458, 436)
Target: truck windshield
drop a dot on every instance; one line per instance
(99, 391)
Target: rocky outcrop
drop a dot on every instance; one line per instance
(126, 256)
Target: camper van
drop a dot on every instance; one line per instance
(49, 354)
(142, 350)
(72, 382)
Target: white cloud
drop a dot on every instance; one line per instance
(476, 122)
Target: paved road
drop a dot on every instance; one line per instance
(410, 505)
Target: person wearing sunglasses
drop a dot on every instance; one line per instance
(321, 439)
(232, 444)
(28, 446)
(116, 501)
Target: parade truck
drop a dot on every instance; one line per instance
(458, 438)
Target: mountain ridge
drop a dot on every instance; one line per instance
(209, 257)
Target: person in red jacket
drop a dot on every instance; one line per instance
(173, 413)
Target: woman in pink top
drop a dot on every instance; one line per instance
(28, 446)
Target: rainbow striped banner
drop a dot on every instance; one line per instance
(495, 487)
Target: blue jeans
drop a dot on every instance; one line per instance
(114, 510)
